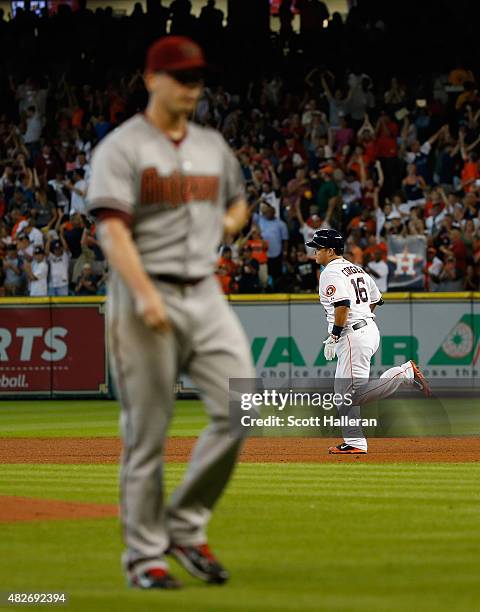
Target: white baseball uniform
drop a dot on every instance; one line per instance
(343, 283)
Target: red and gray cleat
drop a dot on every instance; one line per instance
(420, 380)
(153, 578)
(200, 562)
(346, 449)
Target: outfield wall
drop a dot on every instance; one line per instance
(439, 330)
(53, 347)
(57, 346)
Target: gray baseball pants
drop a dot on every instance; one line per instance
(208, 344)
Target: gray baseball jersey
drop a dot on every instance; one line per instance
(175, 193)
(175, 198)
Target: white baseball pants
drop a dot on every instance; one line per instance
(355, 349)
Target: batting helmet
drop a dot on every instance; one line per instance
(327, 239)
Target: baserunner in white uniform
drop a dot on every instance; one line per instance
(349, 296)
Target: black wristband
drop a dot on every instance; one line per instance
(337, 331)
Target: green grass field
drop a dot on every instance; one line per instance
(40, 418)
(308, 537)
(70, 418)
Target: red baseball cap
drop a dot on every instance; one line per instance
(172, 53)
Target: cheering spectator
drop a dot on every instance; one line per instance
(248, 279)
(7, 182)
(33, 132)
(470, 280)
(18, 201)
(13, 280)
(308, 229)
(57, 192)
(58, 257)
(37, 273)
(25, 248)
(78, 188)
(82, 164)
(102, 126)
(395, 96)
(34, 235)
(47, 164)
(445, 276)
(43, 210)
(292, 155)
(259, 248)
(469, 234)
(414, 186)
(470, 173)
(271, 196)
(435, 215)
(297, 187)
(337, 103)
(276, 233)
(226, 268)
(419, 154)
(306, 272)
(72, 232)
(378, 270)
(327, 192)
(351, 191)
(87, 282)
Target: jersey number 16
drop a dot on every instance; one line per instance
(360, 290)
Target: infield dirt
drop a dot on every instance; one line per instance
(256, 450)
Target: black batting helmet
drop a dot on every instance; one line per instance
(327, 239)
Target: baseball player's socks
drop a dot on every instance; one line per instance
(200, 562)
(346, 449)
(146, 576)
(420, 379)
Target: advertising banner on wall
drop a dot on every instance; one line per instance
(53, 349)
(442, 336)
(57, 348)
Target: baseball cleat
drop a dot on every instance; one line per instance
(153, 578)
(346, 449)
(420, 379)
(200, 562)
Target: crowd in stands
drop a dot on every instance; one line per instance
(374, 157)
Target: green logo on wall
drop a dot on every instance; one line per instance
(285, 350)
(458, 346)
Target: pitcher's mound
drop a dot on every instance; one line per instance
(14, 508)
